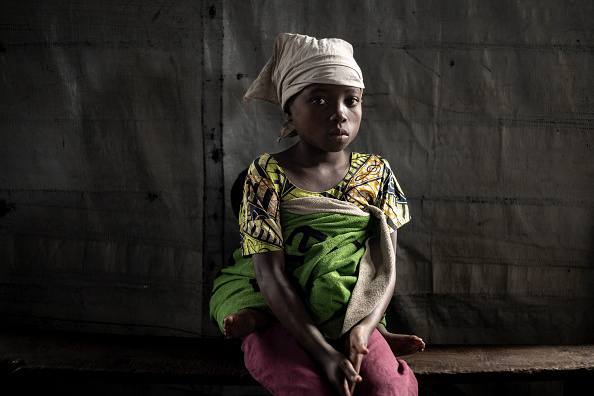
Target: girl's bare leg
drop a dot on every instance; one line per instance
(244, 322)
(402, 344)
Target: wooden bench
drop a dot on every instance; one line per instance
(61, 356)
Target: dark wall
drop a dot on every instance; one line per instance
(123, 129)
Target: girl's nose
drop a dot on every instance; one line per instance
(338, 116)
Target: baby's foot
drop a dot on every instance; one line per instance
(404, 344)
(244, 322)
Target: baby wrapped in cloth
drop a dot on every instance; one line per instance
(338, 257)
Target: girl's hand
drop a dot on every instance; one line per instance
(339, 372)
(356, 348)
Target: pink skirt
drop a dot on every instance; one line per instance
(275, 359)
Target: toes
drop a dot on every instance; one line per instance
(227, 324)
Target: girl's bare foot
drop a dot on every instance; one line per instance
(244, 322)
(402, 344)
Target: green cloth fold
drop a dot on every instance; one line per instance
(326, 252)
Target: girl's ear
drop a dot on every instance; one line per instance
(288, 114)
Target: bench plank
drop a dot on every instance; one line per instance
(485, 363)
(122, 358)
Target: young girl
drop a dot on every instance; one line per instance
(307, 291)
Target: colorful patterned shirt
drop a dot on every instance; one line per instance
(369, 181)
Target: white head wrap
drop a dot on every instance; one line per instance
(299, 61)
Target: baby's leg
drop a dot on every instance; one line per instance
(244, 322)
(402, 344)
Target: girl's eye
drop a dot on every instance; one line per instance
(354, 101)
(318, 101)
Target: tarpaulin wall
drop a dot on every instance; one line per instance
(123, 129)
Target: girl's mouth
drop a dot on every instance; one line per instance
(339, 132)
(339, 135)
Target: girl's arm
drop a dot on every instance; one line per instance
(284, 302)
(360, 333)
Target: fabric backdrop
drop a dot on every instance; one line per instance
(123, 129)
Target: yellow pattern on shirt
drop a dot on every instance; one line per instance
(369, 181)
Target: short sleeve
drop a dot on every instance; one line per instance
(391, 199)
(259, 219)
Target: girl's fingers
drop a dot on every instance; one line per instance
(358, 341)
(340, 372)
(351, 374)
(347, 382)
(362, 350)
(347, 389)
(356, 352)
(357, 359)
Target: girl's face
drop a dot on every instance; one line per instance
(326, 116)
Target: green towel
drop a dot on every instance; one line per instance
(325, 244)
